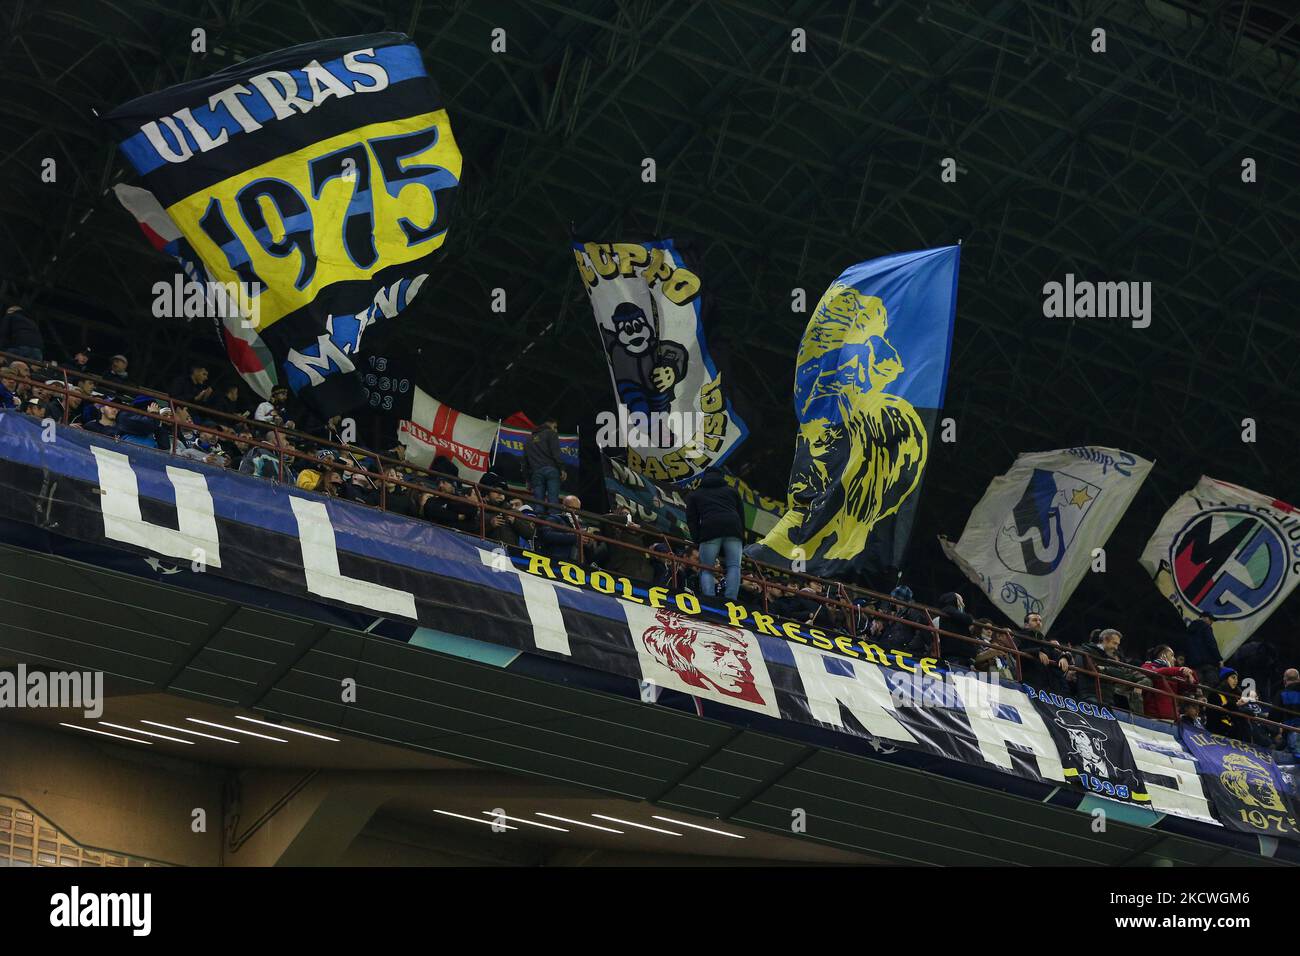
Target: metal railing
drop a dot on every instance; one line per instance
(768, 579)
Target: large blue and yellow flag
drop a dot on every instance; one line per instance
(313, 184)
(869, 381)
(1244, 783)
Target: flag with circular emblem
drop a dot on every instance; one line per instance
(1229, 552)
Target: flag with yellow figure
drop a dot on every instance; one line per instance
(869, 382)
(304, 191)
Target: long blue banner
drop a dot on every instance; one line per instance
(91, 488)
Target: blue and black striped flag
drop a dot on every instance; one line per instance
(315, 183)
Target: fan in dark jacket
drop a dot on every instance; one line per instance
(1227, 694)
(561, 544)
(915, 637)
(1044, 663)
(1286, 705)
(716, 517)
(953, 617)
(20, 335)
(801, 605)
(1201, 651)
(543, 463)
(139, 429)
(626, 562)
(192, 386)
(456, 510)
(227, 400)
(1099, 659)
(399, 499)
(505, 528)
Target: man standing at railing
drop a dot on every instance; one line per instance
(1201, 650)
(227, 400)
(1099, 659)
(716, 517)
(915, 637)
(192, 386)
(20, 335)
(953, 618)
(543, 463)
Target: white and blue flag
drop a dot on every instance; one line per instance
(1030, 540)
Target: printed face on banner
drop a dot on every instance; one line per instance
(861, 446)
(1250, 782)
(1086, 744)
(705, 659)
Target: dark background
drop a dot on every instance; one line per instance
(780, 169)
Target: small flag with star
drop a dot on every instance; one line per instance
(1035, 533)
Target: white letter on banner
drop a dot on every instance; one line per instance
(543, 606)
(1156, 752)
(320, 562)
(993, 729)
(120, 503)
(863, 691)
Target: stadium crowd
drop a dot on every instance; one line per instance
(249, 437)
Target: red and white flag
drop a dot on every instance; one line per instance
(435, 430)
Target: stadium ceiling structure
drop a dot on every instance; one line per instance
(782, 167)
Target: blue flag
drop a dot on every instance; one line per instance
(1245, 784)
(869, 381)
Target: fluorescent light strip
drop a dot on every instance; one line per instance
(696, 826)
(186, 730)
(105, 733)
(461, 816)
(629, 823)
(287, 730)
(579, 823)
(148, 733)
(531, 823)
(234, 730)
